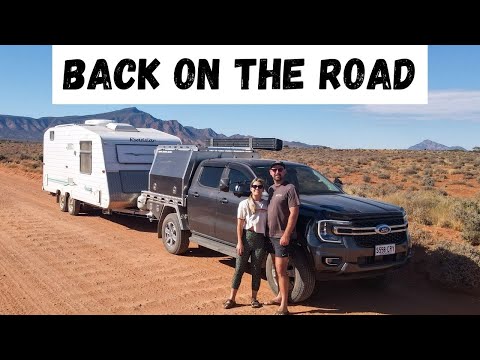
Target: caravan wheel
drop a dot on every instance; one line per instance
(73, 206)
(62, 202)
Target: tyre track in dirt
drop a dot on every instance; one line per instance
(55, 263)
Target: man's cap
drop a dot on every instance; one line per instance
(279, 163)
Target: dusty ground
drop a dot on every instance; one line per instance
(55, 263)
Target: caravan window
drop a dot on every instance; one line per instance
(52, 135)
(85, 157)
(135, 154)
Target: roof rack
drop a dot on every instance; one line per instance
(250, 143)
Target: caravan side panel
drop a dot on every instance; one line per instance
(62, 171)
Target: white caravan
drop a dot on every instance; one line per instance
(101, 163)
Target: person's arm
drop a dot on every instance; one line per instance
(240, 225)
(292, 221)
(294, 208)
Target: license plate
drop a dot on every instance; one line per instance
(386, 249)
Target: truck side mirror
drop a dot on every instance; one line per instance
(338, 183)
(224, 184)
(241, 190)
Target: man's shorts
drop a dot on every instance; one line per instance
(279, 250)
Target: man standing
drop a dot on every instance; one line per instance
(283, 211)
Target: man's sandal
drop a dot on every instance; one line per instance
(229, 304)
(272, 302)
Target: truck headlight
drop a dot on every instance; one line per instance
(328, 230)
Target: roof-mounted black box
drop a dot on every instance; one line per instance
(253, 143)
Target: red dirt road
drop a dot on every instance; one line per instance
(55, 263)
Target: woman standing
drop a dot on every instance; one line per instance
(251, 227)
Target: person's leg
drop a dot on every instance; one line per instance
(233, 294)
(240, 267)
(257, 257)
(241, 264)
(273, 249)
(281, 264)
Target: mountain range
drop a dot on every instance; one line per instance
(27, 128)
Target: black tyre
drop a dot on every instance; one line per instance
(174, 239)
(73, 206)
(62, 202)
(300, 273)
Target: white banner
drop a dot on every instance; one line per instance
(240, 74)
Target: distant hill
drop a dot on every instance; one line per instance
(26, 128)
(432, 145)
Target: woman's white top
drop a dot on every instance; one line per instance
(256, 222)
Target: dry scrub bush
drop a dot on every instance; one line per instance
(24, 155)
(468, 212)
(427, 208)
(450, 264)
(420, 237)
(456, 265)
(372, 191)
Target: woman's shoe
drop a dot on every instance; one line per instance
(256, 304)
(229, 304)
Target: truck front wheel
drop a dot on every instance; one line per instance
(301, 277)
(174, 238)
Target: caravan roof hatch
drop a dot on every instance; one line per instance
(98, 122)
(121, 127)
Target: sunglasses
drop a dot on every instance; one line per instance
(257, 186)
(277, 169)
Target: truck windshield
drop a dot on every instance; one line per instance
(307, 180)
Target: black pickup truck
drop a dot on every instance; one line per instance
(194, 195)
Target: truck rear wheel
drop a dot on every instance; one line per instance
(301, 277)
(62, 202)
(174, 239)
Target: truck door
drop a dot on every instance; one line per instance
(227, 203)
(202, 199)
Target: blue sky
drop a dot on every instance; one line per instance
(452, 116)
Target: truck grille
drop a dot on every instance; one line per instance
(369, 241)
(366, 232)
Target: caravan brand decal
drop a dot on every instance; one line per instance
(141, 140)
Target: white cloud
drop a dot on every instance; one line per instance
(442, 105)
